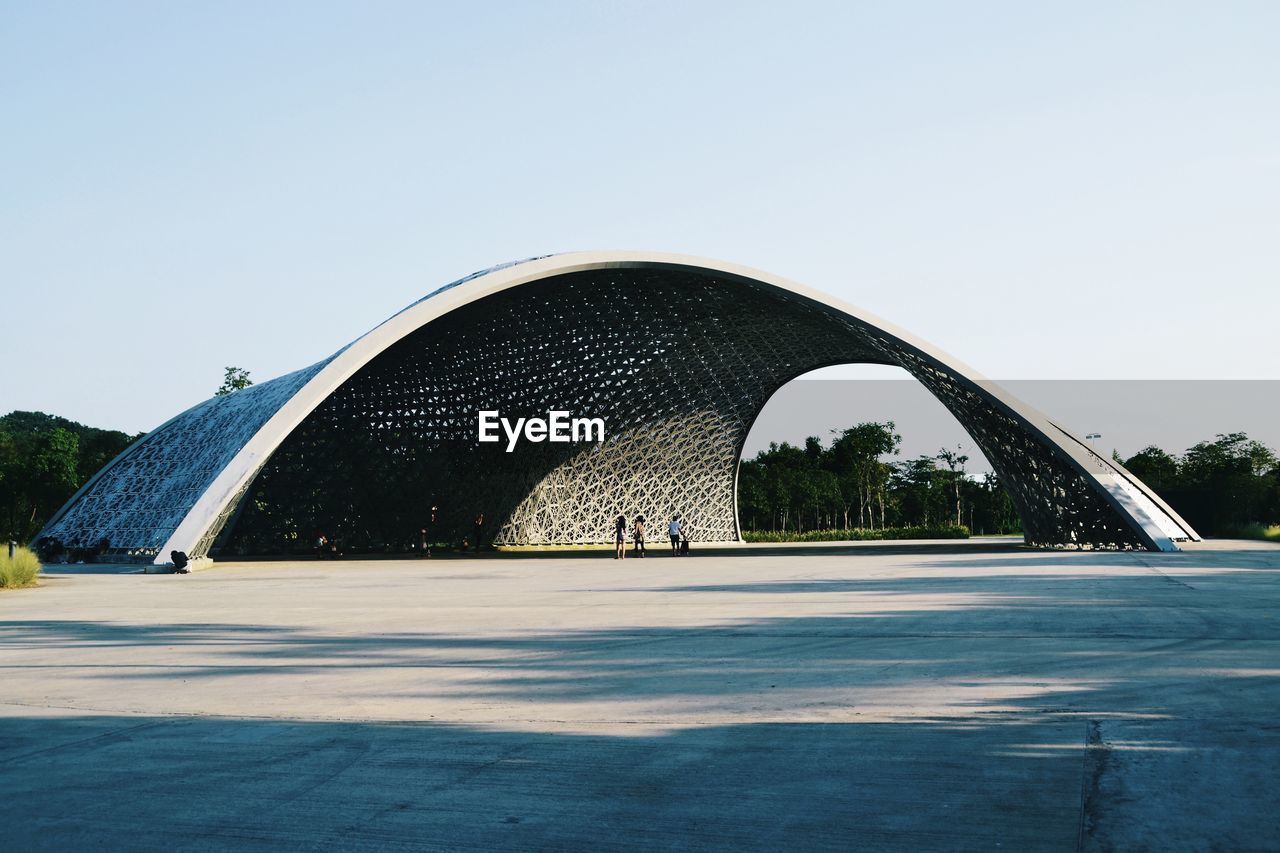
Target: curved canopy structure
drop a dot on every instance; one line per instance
(677, 355)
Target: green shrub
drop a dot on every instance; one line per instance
(21, 570)
(1270, 533)
(859, 534)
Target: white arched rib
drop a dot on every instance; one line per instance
(1156, 522)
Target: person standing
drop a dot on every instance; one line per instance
(479, 525)
(637, 532)
(673, 529)
(425, 534)
(620, 537)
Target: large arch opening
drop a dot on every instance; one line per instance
(806, 471)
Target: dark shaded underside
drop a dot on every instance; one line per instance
(678, 363)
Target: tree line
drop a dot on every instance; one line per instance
(1228, 486)
(1222, 487)
(854, 483)
(44, 459)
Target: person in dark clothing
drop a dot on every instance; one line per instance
(479, 526)
(637, 532)
(620, 538)
(424, 535)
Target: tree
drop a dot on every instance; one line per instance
(1224, 482)
(54, 469)
(1233, 453)
(753, 497)
(991, 509)
(43, 460)
(1219, 486)
(1154, 467)
(918, 491)
(854, 458)
(783, 467)
(954, 460)
(37, 477)
(237, 379)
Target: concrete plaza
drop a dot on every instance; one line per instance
(971, 695)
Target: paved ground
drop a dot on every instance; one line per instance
(965, 696)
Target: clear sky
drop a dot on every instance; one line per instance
(1074, 190)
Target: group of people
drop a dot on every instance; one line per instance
(326, 547)
(472, 544)
(675, 530)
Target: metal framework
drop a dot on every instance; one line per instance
(677, 354)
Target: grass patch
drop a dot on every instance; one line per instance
(20, 570)
(859, 534)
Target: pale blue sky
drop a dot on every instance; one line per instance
(1081, 190)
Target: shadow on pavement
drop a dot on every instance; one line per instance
(1094, 702)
